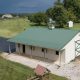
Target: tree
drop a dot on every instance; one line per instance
(31, 17)
(49, 12)
(58, 2)
(38, 18)
(63, 12)
(60, 15)
(74, 5)
(65, 2)
(71, 15)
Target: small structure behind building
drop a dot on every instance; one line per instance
(7, 16)
(70, 24)
(55, 45)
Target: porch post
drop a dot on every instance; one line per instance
(59, 58)
(31, 51)
(9, 49)
(19, 48)
(44, 56)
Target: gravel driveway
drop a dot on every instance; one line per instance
(71, 70)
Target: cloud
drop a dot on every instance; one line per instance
(24, 5)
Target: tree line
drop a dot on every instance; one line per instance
(61, 13)
(21, 15)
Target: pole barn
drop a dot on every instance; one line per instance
(56, 45)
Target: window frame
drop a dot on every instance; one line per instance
(32, 48)
(18, 45)
(44, 50)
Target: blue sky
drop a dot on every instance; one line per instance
(22, 6)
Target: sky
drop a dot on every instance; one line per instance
(22, 6)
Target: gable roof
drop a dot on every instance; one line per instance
(44, 37)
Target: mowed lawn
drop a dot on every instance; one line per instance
(76, 26)
(15, 71)
(11, 27)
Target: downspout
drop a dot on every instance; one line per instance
(31, 51)
(20, 48)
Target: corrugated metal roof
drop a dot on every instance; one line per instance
(44, 37)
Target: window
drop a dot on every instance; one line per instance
(43, 50)
(57, 52)
(23, 48)
(18, 45)
(32, 47)
(46, 51)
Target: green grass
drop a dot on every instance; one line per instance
(76, 26)
(11, 70)
(15, 71)
(11, 27)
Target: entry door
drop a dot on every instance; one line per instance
(23, 48)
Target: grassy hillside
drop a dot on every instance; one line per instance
(11, 27)
(14, 71)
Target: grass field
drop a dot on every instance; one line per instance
(14, 71)
(76, 26)
(11, 27)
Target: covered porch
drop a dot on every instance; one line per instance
(42, 54)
